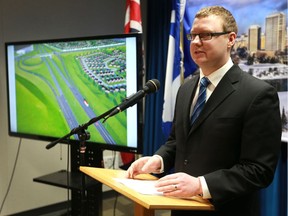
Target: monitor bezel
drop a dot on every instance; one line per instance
(139, 76)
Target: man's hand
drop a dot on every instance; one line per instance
(179, 185)
(144, 165)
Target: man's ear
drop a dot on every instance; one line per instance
(232, 38)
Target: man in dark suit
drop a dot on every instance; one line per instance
(231, 150)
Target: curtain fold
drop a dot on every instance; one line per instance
(158, 27)
(274, 198)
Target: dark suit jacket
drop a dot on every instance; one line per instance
(234, 143)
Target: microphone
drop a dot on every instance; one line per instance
(150, 87)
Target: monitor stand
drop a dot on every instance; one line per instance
(86, 192)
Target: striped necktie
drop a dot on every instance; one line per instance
(204, 82)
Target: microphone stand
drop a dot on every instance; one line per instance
(83, 136)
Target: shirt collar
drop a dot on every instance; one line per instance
(217, 75)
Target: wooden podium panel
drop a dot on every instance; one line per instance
(145, 204)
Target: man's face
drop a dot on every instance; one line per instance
(211, 54)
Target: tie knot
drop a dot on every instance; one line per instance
(204, 81)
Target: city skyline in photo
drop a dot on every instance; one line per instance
(246, 12)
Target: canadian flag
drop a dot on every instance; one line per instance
(133, 21)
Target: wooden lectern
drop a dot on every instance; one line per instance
(145, 205)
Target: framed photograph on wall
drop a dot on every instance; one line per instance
(261, 47)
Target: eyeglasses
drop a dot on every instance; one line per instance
(205, 36)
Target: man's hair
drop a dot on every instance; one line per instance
(229, 23)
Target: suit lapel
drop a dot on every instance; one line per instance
(189, 92)
(221, 92)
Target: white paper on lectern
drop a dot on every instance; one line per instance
(146, 187)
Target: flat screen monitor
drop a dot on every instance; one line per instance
(56, 85)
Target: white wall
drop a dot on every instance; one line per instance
(22, 20)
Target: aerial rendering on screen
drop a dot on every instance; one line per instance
(61, 85)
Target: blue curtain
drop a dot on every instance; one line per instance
(158, 28)
(274, 197)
